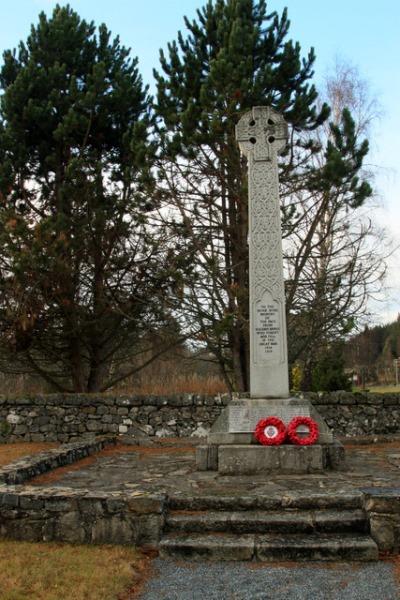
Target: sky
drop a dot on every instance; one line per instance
(364, 33)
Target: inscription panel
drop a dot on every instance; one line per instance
(243, 419)
(267, 334)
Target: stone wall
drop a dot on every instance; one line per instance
(351, 414)
(383, 510)
(80, 517)
(66, 418)
(69, 417)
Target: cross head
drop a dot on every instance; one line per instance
(263, 132)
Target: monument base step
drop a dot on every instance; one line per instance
(269, 548)
(249, 459)
(289, 501)
(319, 526)
(275, 521)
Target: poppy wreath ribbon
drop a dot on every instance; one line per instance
(270, 431)
(307, 440)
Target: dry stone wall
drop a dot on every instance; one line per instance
(352, 414)
(67, 418)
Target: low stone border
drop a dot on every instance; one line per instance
(56, 514)
(383, 509)
(31, 466)
(36, 514)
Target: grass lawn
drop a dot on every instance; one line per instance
(55, 571)
(380, 389)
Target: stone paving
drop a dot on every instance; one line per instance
(168, 466)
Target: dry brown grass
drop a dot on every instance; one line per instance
(19, 385)
(11, 452)
(174, 384)
(162, 381)
(56, 571)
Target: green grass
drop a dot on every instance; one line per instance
(380, 389)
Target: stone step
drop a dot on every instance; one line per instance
(295, 500)
(288, 521)
(316, 547)
(268, 548)
(215, 546)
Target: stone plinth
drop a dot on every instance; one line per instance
(241, 459)
(249, 460)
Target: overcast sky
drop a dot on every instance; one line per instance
(363, 32)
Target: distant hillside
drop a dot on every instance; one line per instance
(371, 354)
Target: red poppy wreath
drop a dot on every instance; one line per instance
(307, 422)
(270, 431)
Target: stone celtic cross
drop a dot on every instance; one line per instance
(262, 133)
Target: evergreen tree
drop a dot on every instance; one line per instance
(236, 55)
(328, 374)
(81, 275)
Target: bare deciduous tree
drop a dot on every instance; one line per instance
(335, 254)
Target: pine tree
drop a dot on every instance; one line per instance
(329, 374)
(81, 275)
(236, 55)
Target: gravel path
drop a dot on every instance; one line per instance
(254, 581)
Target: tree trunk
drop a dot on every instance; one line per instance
(97, 374)
(77, 365)
(239, 224)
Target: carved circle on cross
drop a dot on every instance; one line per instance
(262, 132)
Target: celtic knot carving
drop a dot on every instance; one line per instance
(262, 133)
(265, 232)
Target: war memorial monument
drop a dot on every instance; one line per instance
(232, 449)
